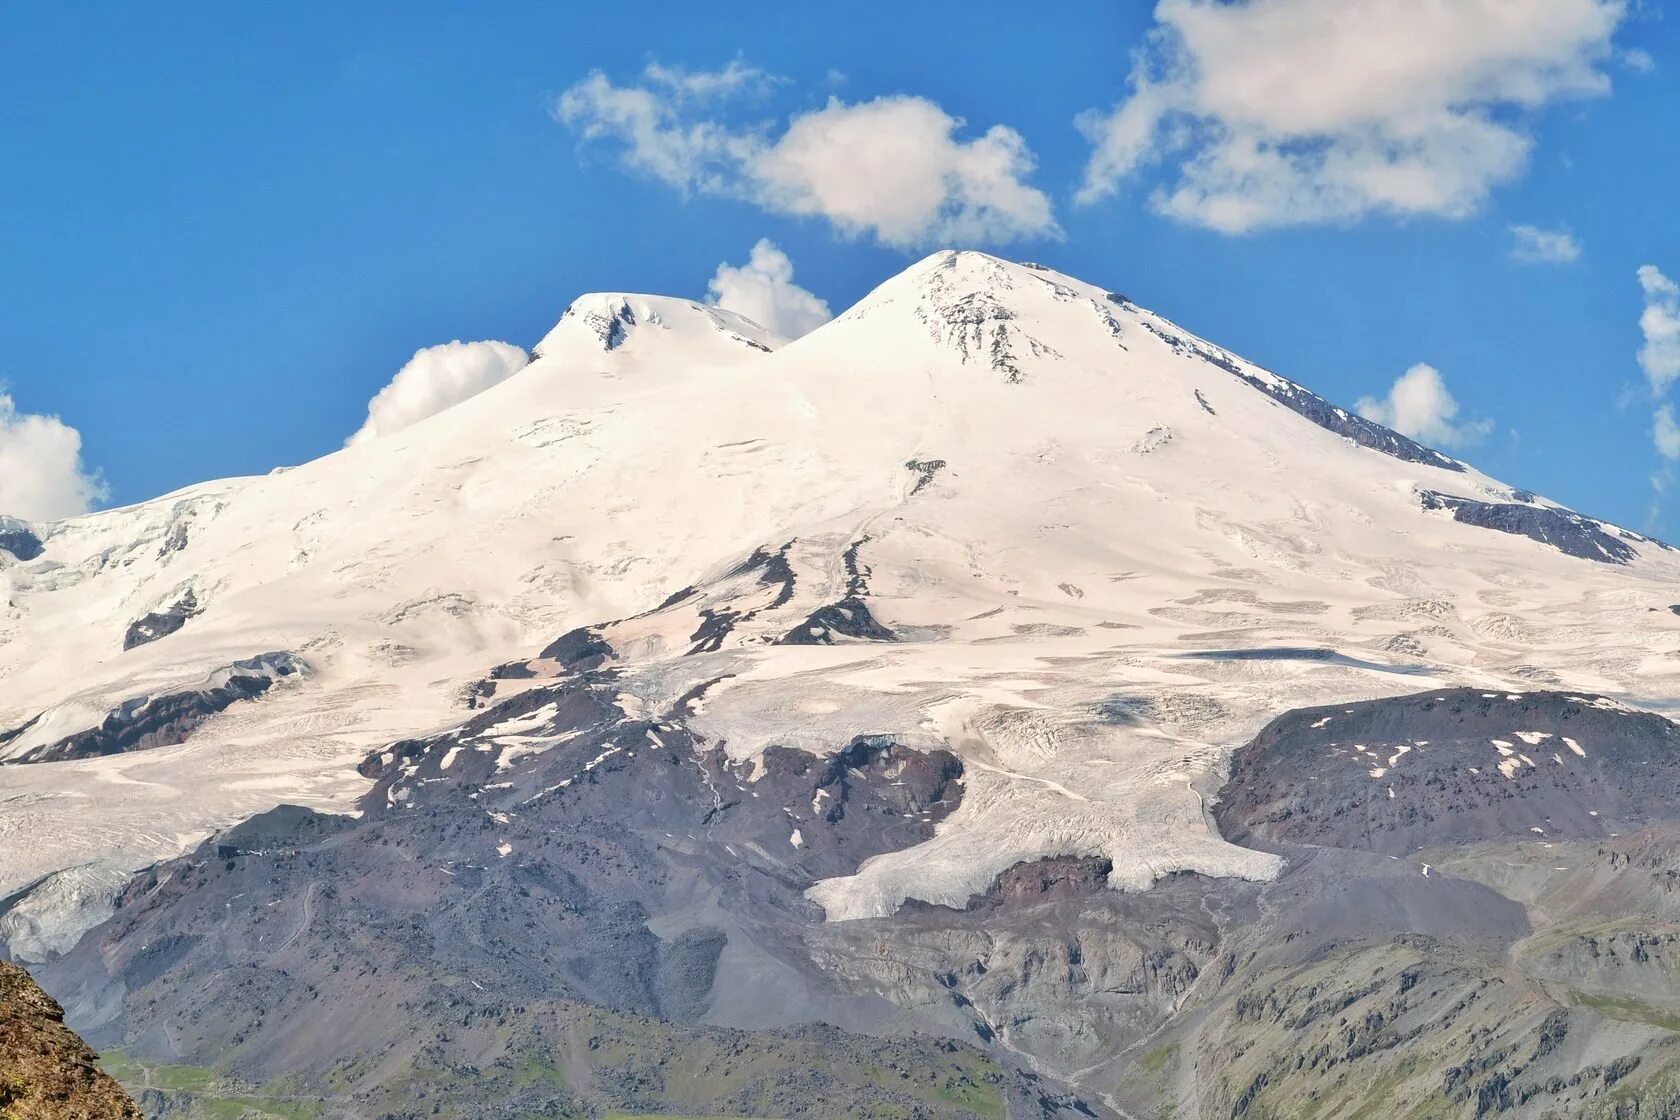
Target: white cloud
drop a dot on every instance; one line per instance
(893, 168)
(763, 290)
(433, 380)
(1638, 60)
(1418, 405)
(657, 137)
(1666, 433)
(41, 472)
(1533, 245)
(732, 79)
(1280, 112)
(1659, 357)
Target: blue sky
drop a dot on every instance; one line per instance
(223, 230)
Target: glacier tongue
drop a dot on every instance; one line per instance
(990, 507)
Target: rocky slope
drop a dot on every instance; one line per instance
(46, 1072)
(1453, 766)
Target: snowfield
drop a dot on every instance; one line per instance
(1106, 553)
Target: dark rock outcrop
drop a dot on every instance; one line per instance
(169, 718)
(1571, 533)
(717, 623)
(1452, 766)
(924, 470)
(849, 617)
(1046, 880)
(160, 624)
(1303, 402)
(578, 650)
(20, 541)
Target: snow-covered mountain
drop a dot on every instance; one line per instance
(990, 508)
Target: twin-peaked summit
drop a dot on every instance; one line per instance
(980, 508)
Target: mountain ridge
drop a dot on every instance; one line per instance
(1044, 495)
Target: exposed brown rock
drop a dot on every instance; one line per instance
(46, 1072)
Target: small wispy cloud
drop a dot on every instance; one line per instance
(1665, 432)
(1534, 245)
(1659, 361)
(1638, 60)
(1659, 322)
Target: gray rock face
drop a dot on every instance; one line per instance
(19, 540)
(1451, 767)
(160, 624)
(578, 650)
(924, 470)
(630, 890)
(717, 624)
(1047, 962)
(1571, 533)
(542, 873)
(848, 618)
(167, 719)
(611, 327)
(1351, 425)
(630, 868)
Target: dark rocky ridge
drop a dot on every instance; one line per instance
(1303, 402)
(578, 650)
(1459, 769)
(717, 623)
(610, 328)
(925, 471)
(161, 721)
(160, 624)
(1052, 879)
(21, 542)
(761, 583)
(1571, 533)
(850, 617)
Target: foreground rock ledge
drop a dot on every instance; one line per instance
(46, 1072)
